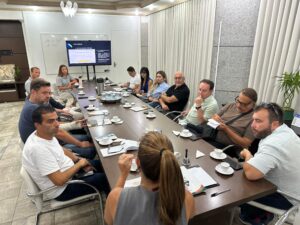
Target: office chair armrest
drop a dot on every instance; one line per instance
(288, 195)
(173, 112)
(177, 117)
(286, 215)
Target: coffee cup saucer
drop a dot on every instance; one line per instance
(106, 142)
(91, 98)
(220, 170)
(115, 120)
(219, 157)
(81, 93)
(186, 135)
(91, 108)
(151, 116)
(80, 87)
(127, 106)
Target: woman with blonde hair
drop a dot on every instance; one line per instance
(161, 198)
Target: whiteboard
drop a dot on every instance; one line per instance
(55, 53)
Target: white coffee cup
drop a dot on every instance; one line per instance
(151, 114)
(127, 104)
(104, 140)
(225, 166)
(182, 122)
(115, 118)
(177, 155)
(91, 97)
(185, 131)
(218, 152)
(80, 92)
(133, 165)
(91, 106)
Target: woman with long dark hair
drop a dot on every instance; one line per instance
(161, 198)
(146, 81)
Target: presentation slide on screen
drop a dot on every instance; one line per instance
(79, 56)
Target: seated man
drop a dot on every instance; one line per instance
(39, 95)
(160, 85)
(177, 96)
(277, 159)
(135, 80)
(205, 105)
(50, 165)
(235, 121)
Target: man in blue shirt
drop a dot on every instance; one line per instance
(40, 91)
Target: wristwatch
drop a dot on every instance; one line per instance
(198, 107)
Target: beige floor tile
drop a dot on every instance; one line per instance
(7, 209)
(47, 218)
(11, 173)
(5, 223)
(10, 189)
(85, 218)
(13, 151)
(25, 221)
(22, 193)
(24, 209)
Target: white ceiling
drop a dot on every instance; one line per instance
(128, 7)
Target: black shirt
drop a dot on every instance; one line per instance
(182, 94)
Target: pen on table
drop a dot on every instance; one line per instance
(218, 193)
(186, 153)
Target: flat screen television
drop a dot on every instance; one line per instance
(87, 53)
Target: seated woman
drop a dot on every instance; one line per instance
(160, 85)
(146, 81)
(161, 197)
(65, 83)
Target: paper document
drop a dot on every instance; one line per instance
(195, 177)
(296, 120)
(138, 108)
(133, 182)
(114, 150)
(212, 123)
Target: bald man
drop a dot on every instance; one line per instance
(176, 96)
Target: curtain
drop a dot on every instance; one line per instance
(181, 39)
(276, 47)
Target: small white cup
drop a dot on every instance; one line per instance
(177, 155)
(91, 106)
(185, 131)
(218, 152)
(182, 122)
(127, 104)
(80, 92)
(225, 166)
(115, 118)
(133, 165)
(91, 97)
(151, 114)
(104, 140)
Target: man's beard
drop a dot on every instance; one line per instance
(264, 133)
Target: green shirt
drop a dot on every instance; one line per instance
(209, 107)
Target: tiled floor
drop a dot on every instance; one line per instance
(17, 209)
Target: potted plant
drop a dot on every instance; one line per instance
(290, 85)
(17, 75)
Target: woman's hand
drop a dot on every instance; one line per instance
(125, 163)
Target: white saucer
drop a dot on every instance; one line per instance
(219, 169)
(115, 121)
(81, 93)
(105, 143)
(91, 98)
(80, 87)
(151, 117)
(90, 108)
(127, 106)
(186, 135)
(125, 95)
(215, 156)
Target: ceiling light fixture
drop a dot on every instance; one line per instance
(136, 12)
(69, 9)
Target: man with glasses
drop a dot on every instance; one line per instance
(238, 132)
(277, 159)
(205, 105)
(176, 96)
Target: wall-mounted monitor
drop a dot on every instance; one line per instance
(87, 53)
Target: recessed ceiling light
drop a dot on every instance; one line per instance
(172, 0)
(90, 11)
(151, 7)
(34, 8)
(136, 12)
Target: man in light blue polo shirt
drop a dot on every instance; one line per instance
(160, 86)
(205, 105)
(277, 159)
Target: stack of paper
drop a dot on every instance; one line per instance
(214, 124)
(106, 152)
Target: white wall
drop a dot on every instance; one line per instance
(123, 31)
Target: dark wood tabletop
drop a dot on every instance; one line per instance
(133, 128)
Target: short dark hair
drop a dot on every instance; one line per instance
(250, 93)
(39, 111)
(34, 68)
(37, 83)
(274, 110)
(209, 82)
(130, 69)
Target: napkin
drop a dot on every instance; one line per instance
(115, 150)
(199, 154)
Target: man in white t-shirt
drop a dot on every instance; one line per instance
(135, 80)
(277, 159)
(49, 164)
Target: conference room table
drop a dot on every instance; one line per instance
(134, 127)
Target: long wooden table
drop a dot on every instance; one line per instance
(134, 126)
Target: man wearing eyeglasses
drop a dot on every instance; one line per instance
(238, 132)
(277, 159)
(176, 96)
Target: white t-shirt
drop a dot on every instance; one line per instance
(134, 80)
(278, 158)
(42, 157)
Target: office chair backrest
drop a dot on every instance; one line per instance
(32, 189)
